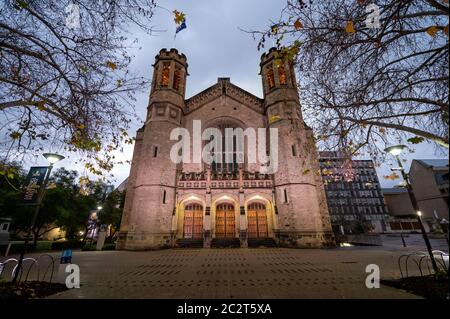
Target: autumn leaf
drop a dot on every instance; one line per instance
(392, 177)
(41, 105)
(416, 140)
(274, 29)
(382, 130)
(274, 118)
(306, 171)
(111, 65)
(349, 28)
(298, 25)
(432, 31)
(180, 17)
(14, 135)
(361, 2)
(446, 30)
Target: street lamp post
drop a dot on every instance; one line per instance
(396, 151)
(52, 158)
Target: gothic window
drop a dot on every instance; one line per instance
(228, 162)
(282, 75)
(155, 76)
(270, 78)
(165, 75)
(177, 79)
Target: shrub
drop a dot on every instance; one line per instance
(89, 248)
(109, 247)
(68, 244)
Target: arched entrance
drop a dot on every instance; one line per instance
(257, 221)
(225, 222)
(193, 221)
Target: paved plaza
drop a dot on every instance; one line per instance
(239, 273)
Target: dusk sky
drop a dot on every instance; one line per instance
(215, 47)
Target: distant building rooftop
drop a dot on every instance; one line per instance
(434, 163)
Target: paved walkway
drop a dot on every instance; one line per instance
(234, 273)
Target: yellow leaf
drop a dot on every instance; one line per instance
(274, 29)
(432, 31)
(14, 135)
(274, 118)
(180, 17)
(298, 25)
(382, 130)
(41, 105)
(111, 65)
(306, 171)
(349, 28)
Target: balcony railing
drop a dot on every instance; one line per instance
(213, 180)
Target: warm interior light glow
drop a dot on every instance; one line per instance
(419, 213)
(53, 157)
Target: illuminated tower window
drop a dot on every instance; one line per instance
(270, 78)
(282, 75)
(177, 79)
(155, 76)
(165, 75)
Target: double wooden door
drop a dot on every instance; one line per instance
(257, 221)
(193, 221)
(225, 222)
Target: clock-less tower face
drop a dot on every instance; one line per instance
(229, 200)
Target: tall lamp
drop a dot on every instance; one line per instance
(52, 158)
(396, 151)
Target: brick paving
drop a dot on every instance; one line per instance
(233, 273)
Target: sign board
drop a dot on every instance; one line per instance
(66, 257)
(33, 183)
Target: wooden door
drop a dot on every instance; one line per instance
(257, 221)
(225, 223)
(193, 221)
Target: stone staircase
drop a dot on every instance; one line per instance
(189, 243)
(261, 242)
(225, 243)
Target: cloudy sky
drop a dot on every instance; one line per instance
(215, 47)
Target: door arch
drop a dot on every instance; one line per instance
(193, 221)
(257, 220)
(225, 221)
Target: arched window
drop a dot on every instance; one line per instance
(228, 156)
(282, 75)
(177, 79)
(165, 75)
(155, 76)
(270, 77)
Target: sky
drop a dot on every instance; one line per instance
(215, 47)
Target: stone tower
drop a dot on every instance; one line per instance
(151, 194)
(303, 219)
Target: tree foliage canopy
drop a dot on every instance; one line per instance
(64, 76)
(363, 86)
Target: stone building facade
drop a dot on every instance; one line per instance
(235, 204)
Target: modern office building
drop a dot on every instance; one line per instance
(354, 196)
